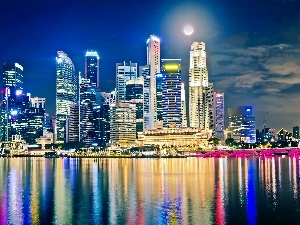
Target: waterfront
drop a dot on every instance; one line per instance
(150, 191)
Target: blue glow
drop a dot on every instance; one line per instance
(14, 112)
(248, 110)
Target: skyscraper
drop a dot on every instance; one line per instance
(144, 71)
(123, 123)
(159, 98)
(171, 92)
(218, 109)
(198, 84)
(242, 124)
(153, 60)
(125, 72)
(73, 124)
(12, 86)
(135, 95)
(66, 92)
(92, 67)
(183, 106)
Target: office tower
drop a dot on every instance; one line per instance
(242, 124)
(153, 60)
(27, 119)
(87, 131)
(209, 106)
(296, 132)
(218, 110)
(87, 91)
(124, 71)
(66, 92)
(144, 71)
(183, 106)
(73, 123)
(12, 83)
(159, 98)
(171, 92)
(92, 68)
(135, 95)
(107, 99)
(198, 84)
(123, 124)
(47, 124)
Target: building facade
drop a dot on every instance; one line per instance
(183, 106)
(198, 84)
(242, 123)
(124, 72)
(171, 92)
(218, 110)
(66, 93)
(135, 95)
(123, 124)
(144, 71)
(153, 60)
(92, 67)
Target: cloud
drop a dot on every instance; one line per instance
(265, 76)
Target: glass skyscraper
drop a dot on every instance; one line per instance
(242, 123)
(171, 92)
(134, 94)
(66, 92)
(12, 86)
(92, 67)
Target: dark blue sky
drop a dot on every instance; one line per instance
(252, 45)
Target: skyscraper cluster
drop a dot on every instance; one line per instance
(146, 97)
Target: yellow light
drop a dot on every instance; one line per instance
(171, 67)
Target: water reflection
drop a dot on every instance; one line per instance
(149, 191)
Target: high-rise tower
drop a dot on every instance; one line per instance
(125, 72)
(92, 67)
(153, 60)
(66, 92)
(171, 92)
(198, 85)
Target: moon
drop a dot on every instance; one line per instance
(188, 30)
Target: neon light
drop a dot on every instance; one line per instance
(171, 67)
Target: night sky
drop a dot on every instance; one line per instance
(252, 45)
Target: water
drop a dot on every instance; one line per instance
(149, 191)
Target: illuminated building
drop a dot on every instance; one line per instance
(283, 135)
(123, 124)
(125, 72)
(171, 92)
(87, 90)
(37, 102)
(87, 131)
(242, 124)
(144, 71)
(26, 118)
(183, 106)
(92, 67)
(175, 136)
(159, 98)
(198, 84)
(107, 99)
(66, 92)
(209, 105)
(296, 132)
(153, 60)
(218, 110)
(12, 82)
(73, 124)
(134, 95)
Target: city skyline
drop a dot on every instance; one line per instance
(252, 66)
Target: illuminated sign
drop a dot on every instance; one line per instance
(248, 110)
(172, 67)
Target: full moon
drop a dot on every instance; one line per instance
(188, 30)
